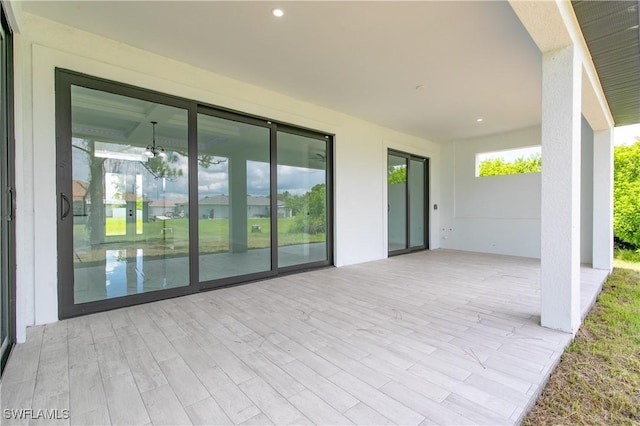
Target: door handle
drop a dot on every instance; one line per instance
(11, 208)
(64, 212)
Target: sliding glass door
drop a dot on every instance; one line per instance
(126, 200)
(417, 202)
(407, 199)
(160, 196)
(7, 234)
(397, 202)
(234, 197)
(302, 200)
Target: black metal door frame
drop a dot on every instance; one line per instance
(7, 210)
(408, 248)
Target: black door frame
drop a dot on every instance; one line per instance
(238, 279)
(64, 79)
(408, 248)
(8, 247)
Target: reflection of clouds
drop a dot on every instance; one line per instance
(175, 196)
(298, 180)
(213, 188)
(258, 178)
(206, 177)
(214, 180)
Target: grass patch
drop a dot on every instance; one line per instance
(626, 258)
(598, 378)
(170, 238)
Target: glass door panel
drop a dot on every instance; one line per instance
(416, 203)
(397, 202)
(5, 208)
(130, 196)
(302, 199)
(234, 198)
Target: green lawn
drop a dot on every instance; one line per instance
(598, 378)
(171, 237)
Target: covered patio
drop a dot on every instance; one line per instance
(434, 337)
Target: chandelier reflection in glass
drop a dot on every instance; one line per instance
(154, 150)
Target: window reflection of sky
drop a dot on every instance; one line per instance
(116, 272)
(211, 181)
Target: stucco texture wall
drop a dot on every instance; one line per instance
(501, 214)
(495, 214)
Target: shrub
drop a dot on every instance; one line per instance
(626, 196)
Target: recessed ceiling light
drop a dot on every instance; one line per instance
(277, 12)
(480, 120)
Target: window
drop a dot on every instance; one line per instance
(509, 162)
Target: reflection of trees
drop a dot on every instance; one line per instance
(160, 167)
(291, 202)
(206, 160)
(96, 219)
(309, 210)
(397, 175)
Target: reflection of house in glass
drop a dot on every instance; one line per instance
(217, 207)
(167, 208)
(80, 198)
(115, 207)
(128, 202)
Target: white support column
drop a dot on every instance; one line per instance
(238, 240)
(603, 199)
(560, 215)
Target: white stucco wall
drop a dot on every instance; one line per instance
(496, 214)
(586, 193)
(360, 148)
(501, 214)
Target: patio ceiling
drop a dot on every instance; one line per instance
(611, 30)
(473, 59)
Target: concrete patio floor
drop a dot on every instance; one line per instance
(435, 337)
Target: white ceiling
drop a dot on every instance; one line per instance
(474, 58)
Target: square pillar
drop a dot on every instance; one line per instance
(603, 199)
(560, 215)
(238, 236)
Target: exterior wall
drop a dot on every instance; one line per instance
(257, 211)
(219, 211)
(501, 214)
(359, 156)
(586, 194)
(496, 214)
